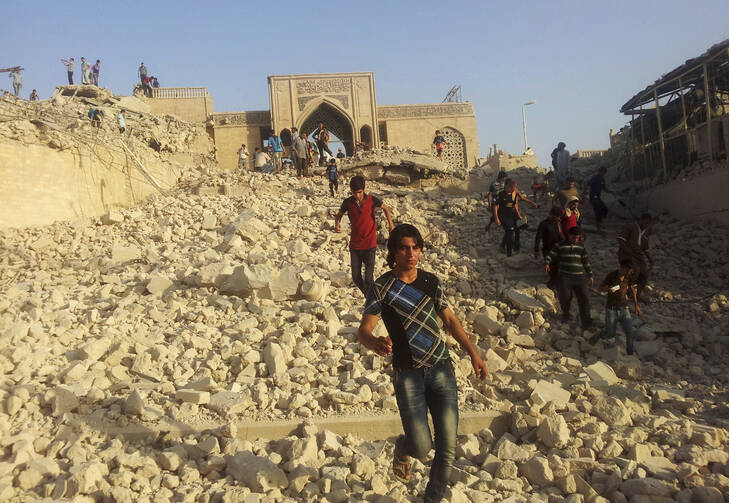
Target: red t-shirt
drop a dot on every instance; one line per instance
(362, 221)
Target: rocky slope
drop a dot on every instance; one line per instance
(203, 308)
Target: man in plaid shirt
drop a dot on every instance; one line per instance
(410, 301)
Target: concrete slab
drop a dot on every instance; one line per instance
(366, 427)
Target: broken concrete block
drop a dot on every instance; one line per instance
(537, 471)
(256, 472)
(193, 396)
(112, 217)
(601, 374)
(545, 392)
(158, 285)
(554, 432)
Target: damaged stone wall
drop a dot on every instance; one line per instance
(56, 166)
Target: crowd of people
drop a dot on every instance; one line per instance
(410, 301)
(560, 239)
(89, 76)
(291, 148)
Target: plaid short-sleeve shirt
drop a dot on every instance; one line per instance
(410, 313)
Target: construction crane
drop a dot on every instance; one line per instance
(454, 95)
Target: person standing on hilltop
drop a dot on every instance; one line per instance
(85, 71)
(95, 73)
(360, 208)
(142, 73)
(17, 81)
(410, 301)
(69, 69)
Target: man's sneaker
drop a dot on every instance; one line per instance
(609, 343)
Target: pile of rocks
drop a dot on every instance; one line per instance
(199, 309)
(62, 122)
(397, 166)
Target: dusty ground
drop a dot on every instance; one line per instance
(217, 308)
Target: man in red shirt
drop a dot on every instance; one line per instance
(360, 208)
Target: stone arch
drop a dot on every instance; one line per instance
(455, 152)
(335, 120)
(365, 135)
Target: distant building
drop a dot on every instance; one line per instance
(345, 102)
(500, 160)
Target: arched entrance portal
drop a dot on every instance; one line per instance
(335, 121)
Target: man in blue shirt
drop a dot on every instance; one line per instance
(274, 141)
(333, 176)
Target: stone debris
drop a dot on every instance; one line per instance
(213, 310)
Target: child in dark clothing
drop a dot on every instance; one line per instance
(333, 176)
(618, 284)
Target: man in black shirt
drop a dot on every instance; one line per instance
(506, 213)
(494, 190)
(596, 185)
(618, 284)
(548, 233)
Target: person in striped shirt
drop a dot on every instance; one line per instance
(573, 277)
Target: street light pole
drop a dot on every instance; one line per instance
(523, 121)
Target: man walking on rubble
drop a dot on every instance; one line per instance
(596, 186)
(618, 284)
(360, 208)
(494, 190)
(573, 276)
(410, 301)
(633, 247)
(549, 234)
(506, 214)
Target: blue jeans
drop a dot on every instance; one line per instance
(366, 257)
(615, 315)
(417, 391)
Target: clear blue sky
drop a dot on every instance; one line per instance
(581, 60)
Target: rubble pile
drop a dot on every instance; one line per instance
(396, 165)
(212, 307)
(62, 122)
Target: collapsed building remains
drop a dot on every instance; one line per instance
(679, 126)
